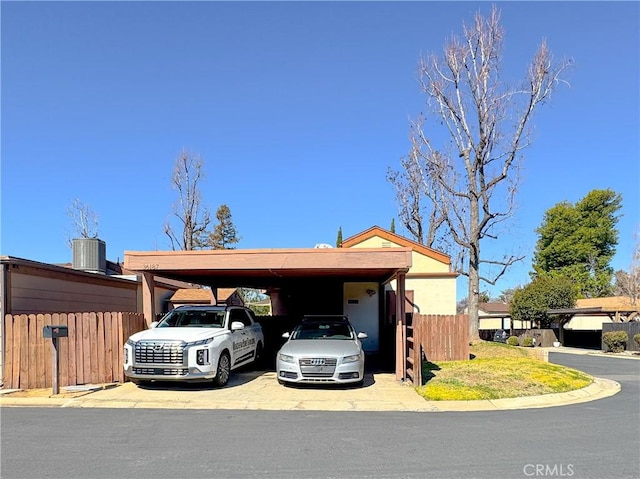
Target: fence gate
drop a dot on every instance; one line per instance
(437, 338)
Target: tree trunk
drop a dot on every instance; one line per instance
(474, 273)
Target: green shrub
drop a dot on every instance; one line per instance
(636, 338)
(527, 342)
(615, 341)
(513, 340)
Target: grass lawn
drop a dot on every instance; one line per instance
(497, 371)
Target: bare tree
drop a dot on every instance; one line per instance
(411, 192)
(628, 283)
(193, 217)
(471, 183)
(85, 221)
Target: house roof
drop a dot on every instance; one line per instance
(224, 293)
(192, 294)
(620, 303)
(397, 239)
(494, 308)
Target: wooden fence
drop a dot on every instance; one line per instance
(91, 354)
(438, 338)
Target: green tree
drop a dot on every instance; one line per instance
(464, 188)
(252, 296)
(578, 242)
(543, 293)
(393, 225)
(339, 238)
(224, 233)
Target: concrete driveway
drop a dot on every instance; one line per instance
(256, 390)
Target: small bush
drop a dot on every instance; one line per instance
(513, 341)
(636, 338)
(615, 341)
(527, 342)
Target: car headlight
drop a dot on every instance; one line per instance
(286, 358)
(199, 343)
(202, 357)
(352, 359)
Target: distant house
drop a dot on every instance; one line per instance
(492, 316)
(221, 296)
(590, 313)
(581, 325)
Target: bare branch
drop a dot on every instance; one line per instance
(471, 184)
(193, 217)
(85, 221)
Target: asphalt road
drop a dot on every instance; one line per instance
(599, 439)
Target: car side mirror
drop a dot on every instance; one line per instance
(362, 335)
(237, 325)
(153, 324)
(286, 335)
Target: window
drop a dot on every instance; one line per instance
(239, 315)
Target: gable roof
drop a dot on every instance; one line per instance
(224, 293)
(192, 294)
(397, 239)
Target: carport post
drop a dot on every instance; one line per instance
(148, 298)
(401, 331)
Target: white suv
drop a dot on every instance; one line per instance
(195, 343)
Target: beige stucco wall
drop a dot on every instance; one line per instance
(490, 323)
(432, 295)
(587, 323)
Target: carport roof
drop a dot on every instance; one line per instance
(262, 268)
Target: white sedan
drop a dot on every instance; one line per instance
(322, 349)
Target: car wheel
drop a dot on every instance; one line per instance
(224, 370)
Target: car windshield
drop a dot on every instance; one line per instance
(193, 319)
(323, 330)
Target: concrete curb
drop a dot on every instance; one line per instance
(599, 389)
(391, 396)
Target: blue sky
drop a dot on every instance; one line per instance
(297, 109)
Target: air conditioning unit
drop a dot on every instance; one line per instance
(90, 254)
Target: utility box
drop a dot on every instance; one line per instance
(55, 331)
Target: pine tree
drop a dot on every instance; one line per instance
(393, 225)
(224, 233)
(339, 238)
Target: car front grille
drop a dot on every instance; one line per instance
(317, 367)
(159, 352)
(162, 371)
